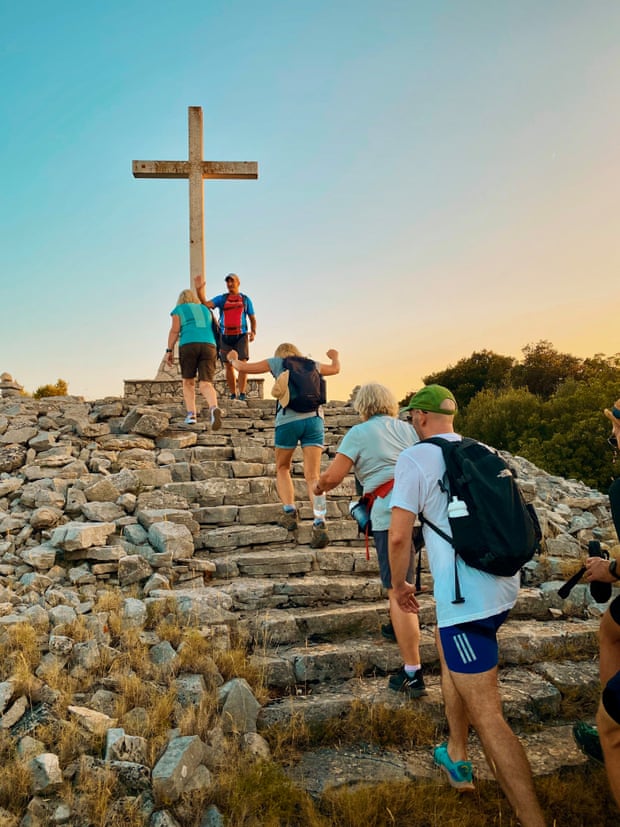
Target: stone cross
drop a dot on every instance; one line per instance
(195, 170)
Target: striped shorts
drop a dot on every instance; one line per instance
(472, 647)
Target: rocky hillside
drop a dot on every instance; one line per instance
(120, 528)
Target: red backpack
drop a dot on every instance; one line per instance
(232, 314)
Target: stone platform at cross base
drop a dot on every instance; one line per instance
(167, 386)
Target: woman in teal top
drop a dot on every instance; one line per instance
(193, 329)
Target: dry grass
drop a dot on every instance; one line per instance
(578, 798)
(14, 777)
(403, 727)
(260, 795)
(19, 648)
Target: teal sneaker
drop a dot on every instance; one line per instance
(588, 741)
(459, 772)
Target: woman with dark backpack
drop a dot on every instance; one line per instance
(299, 421)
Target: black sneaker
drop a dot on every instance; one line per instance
(412, 686)
(387, 631)
(587, 739)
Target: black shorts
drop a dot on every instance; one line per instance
(239, 343)
(198, 358)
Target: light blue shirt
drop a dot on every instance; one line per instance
(373, 447)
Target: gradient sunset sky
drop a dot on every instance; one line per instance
(434, 178)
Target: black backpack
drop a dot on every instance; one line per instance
(306, 385)
(217, 333)
(501, 532)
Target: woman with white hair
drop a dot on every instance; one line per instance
(371, 449)
(292, 428)
(192, 327)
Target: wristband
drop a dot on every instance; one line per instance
(168, 350)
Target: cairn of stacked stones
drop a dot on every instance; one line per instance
(116, 495)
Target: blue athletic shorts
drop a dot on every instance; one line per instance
(611, 692)
(308, 432)
(472, 647)
(611, 697)
(381, 545)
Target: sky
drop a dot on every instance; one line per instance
(435, 178)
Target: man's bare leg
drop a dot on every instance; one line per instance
(504, 752)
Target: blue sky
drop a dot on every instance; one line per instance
(434, 178)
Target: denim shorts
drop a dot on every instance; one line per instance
(472, 647)
(381, 546)
(309, 432)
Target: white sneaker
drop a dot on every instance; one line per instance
(216, 419)
(190, 419)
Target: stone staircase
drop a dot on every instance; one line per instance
(313, 616)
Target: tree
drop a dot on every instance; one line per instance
(504, 420)
(61, 388)
(482, 370)
(543, 369)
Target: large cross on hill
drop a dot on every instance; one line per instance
(195, 170)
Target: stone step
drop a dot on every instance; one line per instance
(232, 538)
(549, 751)
(529, 696)
(316, 660)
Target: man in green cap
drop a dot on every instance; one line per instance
(466, 631)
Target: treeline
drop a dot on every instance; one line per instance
(546, 407)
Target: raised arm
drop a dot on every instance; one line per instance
(247, 367)
(334, 367)
(200, 283)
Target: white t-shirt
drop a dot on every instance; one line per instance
(416, 489)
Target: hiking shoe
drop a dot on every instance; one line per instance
(216, 419)
(242, 397)
(387, 631)
(587, 739)
(411, 686)
(459, 772)
(190, 419)
(320, 537)
(288, 520)
(233, 396)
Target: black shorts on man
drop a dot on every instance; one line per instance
(239, 343)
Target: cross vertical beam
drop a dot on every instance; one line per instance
(195, 169)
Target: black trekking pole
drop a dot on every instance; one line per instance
(601, 592)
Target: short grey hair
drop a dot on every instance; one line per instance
(373, 398)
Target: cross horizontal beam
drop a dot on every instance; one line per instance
(181, 169)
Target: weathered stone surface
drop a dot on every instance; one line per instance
(177, 764)
(91, 720)
(171, 537)
(77, 535)
(45, 772)
(12, 458)
(239, 707)
(132, 569)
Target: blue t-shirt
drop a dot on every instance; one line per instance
(374, 446)
(248, 310)
(195, 323)
(284, 415)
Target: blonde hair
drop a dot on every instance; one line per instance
(286, 349)
(373, 398)
(187, 297)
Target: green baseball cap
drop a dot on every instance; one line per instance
(434, 399)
